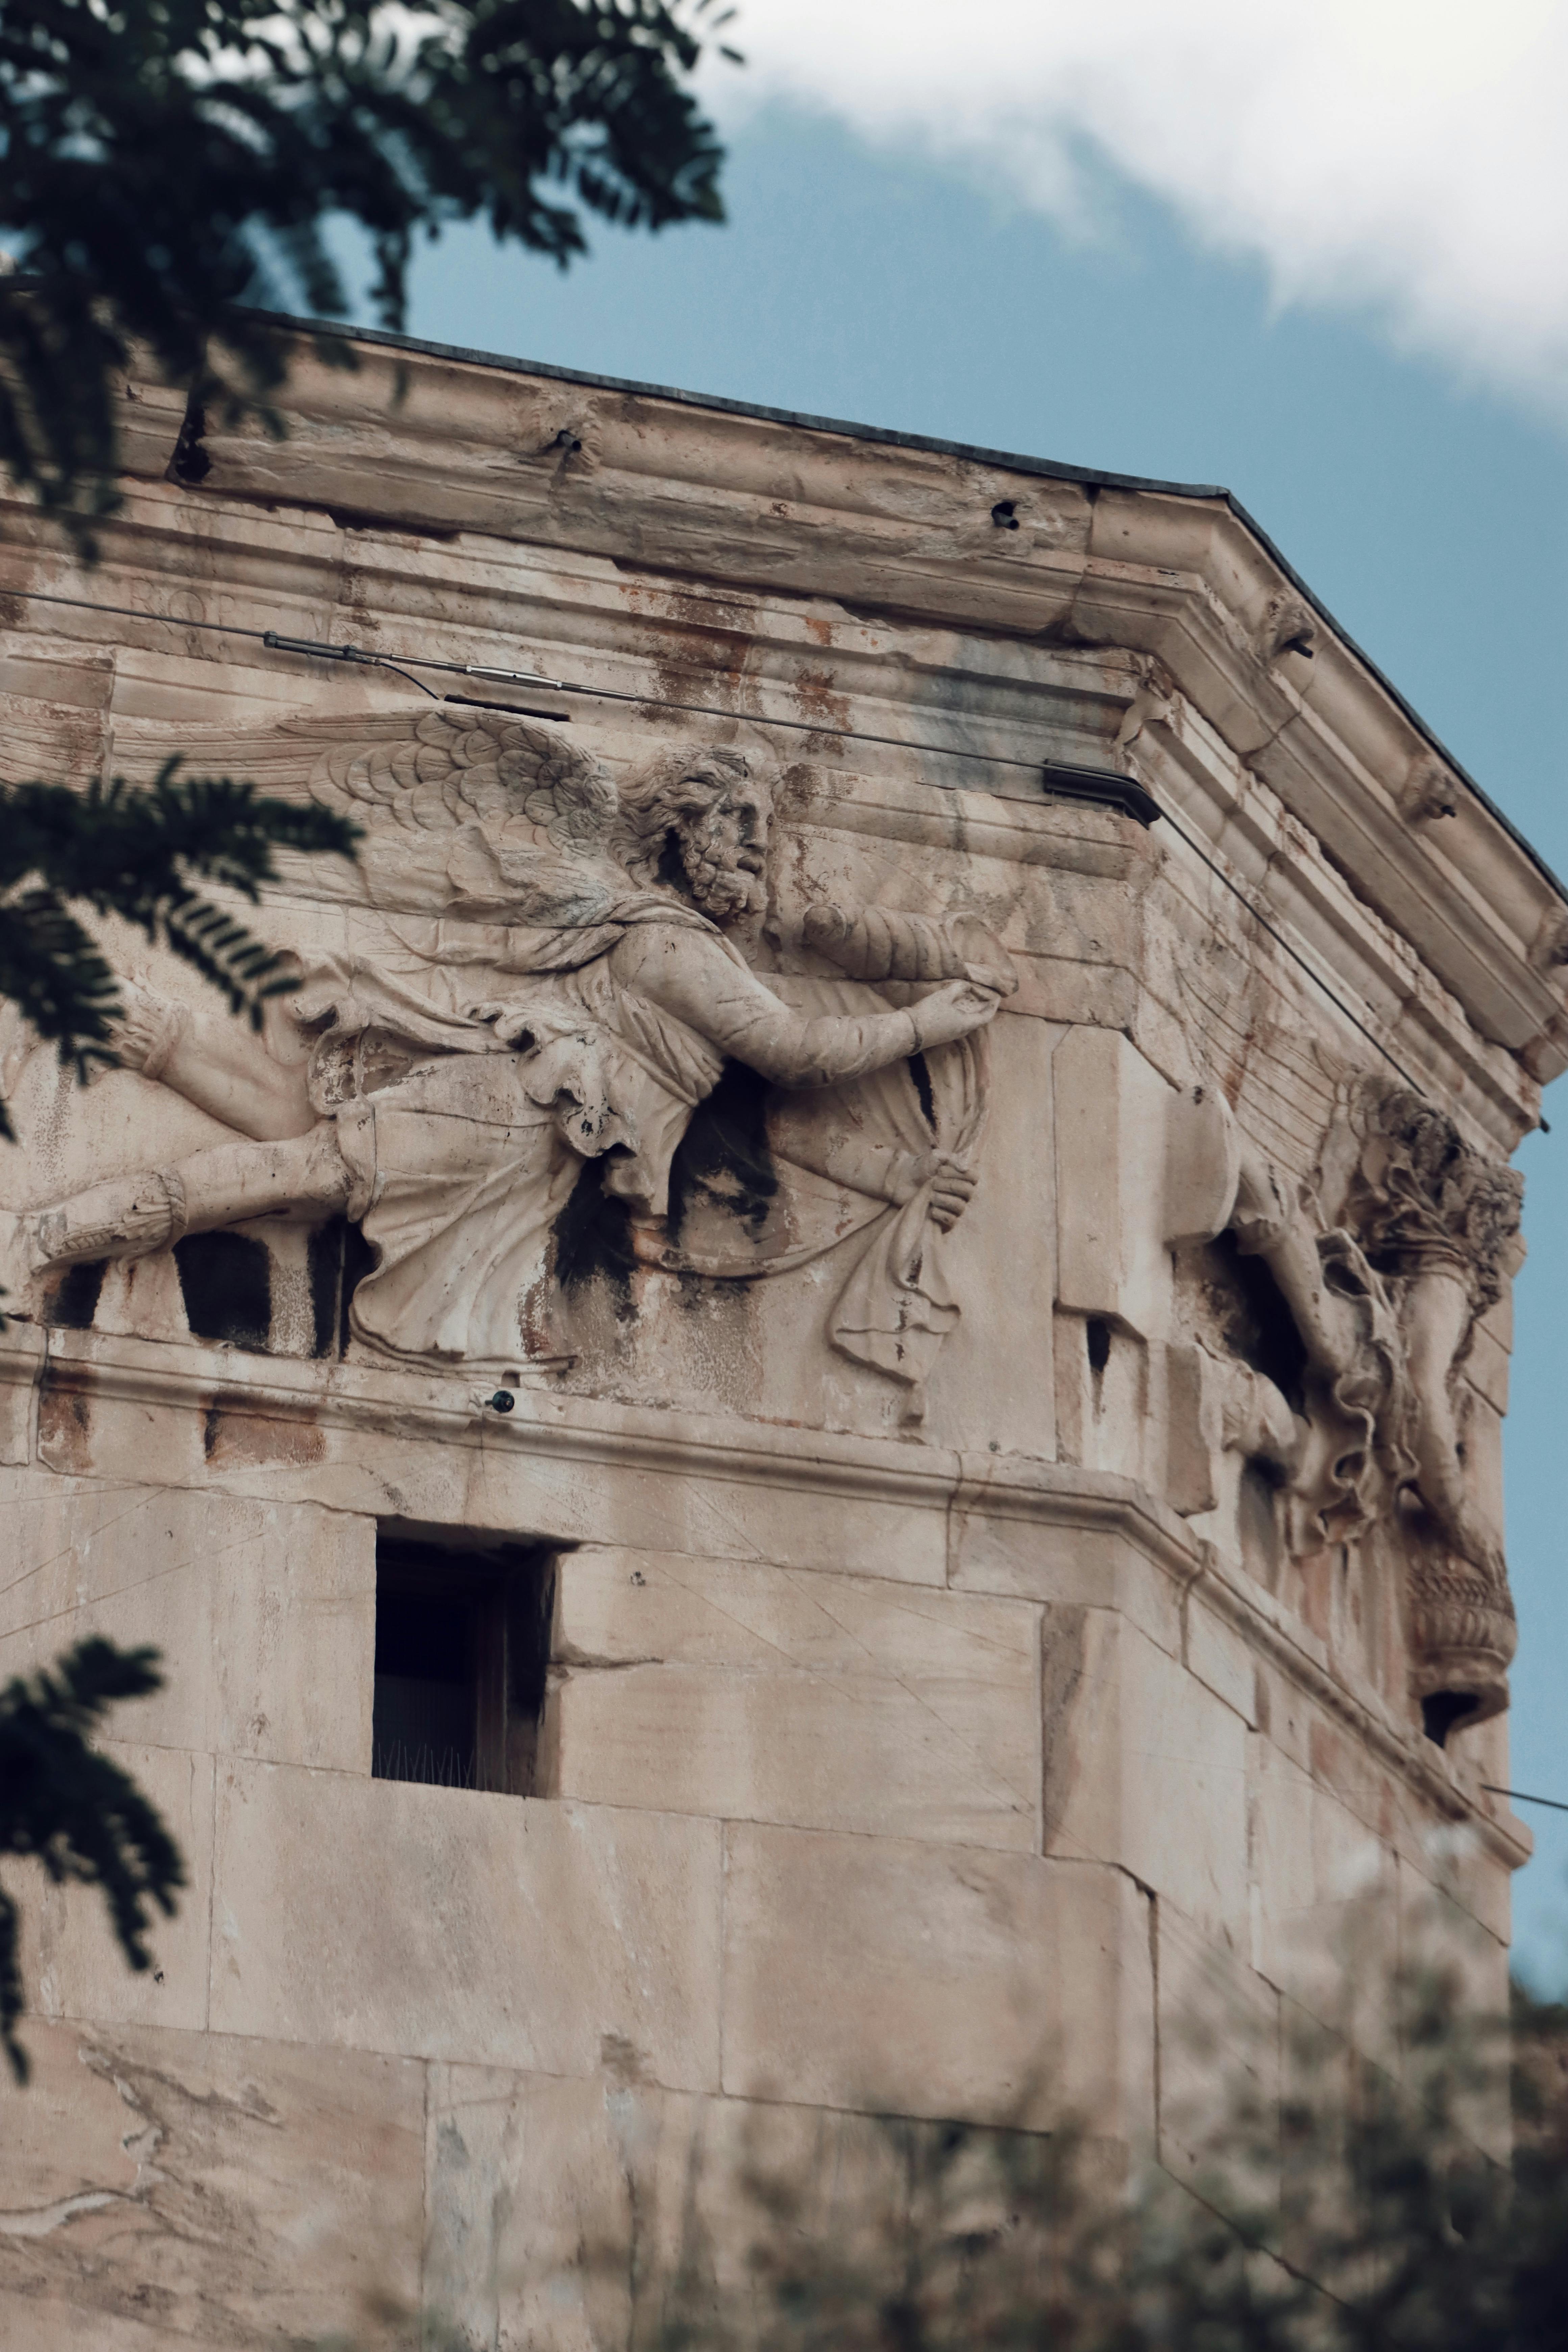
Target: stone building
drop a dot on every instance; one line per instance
(822, 1417)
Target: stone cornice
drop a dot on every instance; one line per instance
(423, 1409)
(669, 487)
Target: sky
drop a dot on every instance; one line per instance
(1317, 253)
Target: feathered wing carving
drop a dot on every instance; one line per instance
(465, 812)
(479, 814)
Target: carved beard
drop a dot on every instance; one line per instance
(722, 891)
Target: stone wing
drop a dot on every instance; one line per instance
(478, 813)
(436, 772)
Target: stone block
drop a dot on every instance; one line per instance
(995, 1379)
(21, 1363)
(447, 1922)
(1111, 1110)
(1145, 1768)
(1326, 1911)
(72, 1966)
(264, 1612)
(592, 2215)
(558, 2210)
(766, 1693)
(1221, 1660)
(1067, 1565)
(424, 1453)
(891, 1976)
(172, 2188)
(1435, 1934)
(1219, 2071)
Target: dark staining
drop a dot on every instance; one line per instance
(531, 1617)
(337, 1259)
(593, 1236)
(1442, 1711)
(369, 518)
(1097, 1340)
(191, 462)
(1258, 1516)
(1258, 1325)
(671, 867)
(359, 1259)
(71, 1302)
(724, 1152)
(324, 1259)
(920, 1076)
(226, 1280)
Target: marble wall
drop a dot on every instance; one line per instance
(993, 1357)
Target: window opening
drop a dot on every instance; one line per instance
(462, 1646)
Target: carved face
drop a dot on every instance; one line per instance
(723, 850)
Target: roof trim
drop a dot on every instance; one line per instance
(1012, 461)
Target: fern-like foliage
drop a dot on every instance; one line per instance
(75, 1812)
(162, 161)
(139, 854)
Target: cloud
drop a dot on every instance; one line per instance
(1407, 158)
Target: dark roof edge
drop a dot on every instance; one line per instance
(1012, 460)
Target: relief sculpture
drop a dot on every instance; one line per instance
(544, 980)
(1386, 1266)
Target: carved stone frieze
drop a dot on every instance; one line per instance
(1384, 1267)
(551, 983)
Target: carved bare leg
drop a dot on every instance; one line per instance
(137, 1214)
(1437, 1315)
(215, 1063)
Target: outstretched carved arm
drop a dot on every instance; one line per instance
(1437, 1321)
(1269, 1224)
(692, 975)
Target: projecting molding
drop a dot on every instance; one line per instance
(420, 439)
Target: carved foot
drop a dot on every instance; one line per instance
(128, 1219)
(150, 1029)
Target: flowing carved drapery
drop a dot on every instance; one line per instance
(544, 985)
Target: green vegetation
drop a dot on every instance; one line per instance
(75, 1812)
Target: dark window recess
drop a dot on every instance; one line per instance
(340, 1258)
(1256, 1319)
(1097, 1339)
(226, 1280)
(71, 1302)
(724, 1152)
(1442, 1710)
(462, 1646)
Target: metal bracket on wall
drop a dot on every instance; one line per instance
(1104, 788)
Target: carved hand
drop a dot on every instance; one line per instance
(953, 1011)
(952, 1182)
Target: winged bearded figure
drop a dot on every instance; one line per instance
(551, 984)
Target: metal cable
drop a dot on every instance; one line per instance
(1520, 1797)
